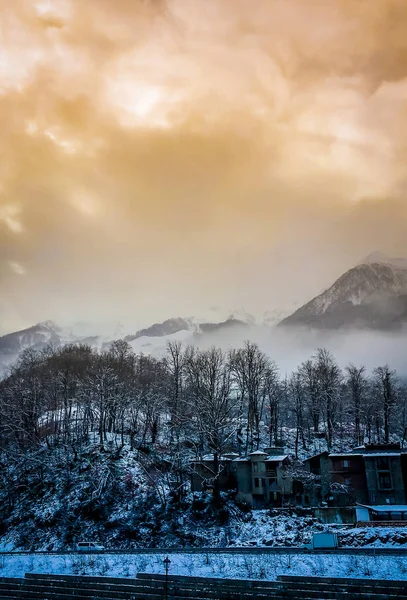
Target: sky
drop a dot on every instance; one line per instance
(162, 157)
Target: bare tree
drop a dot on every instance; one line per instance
(274, 394)
(175, 364)
(310, 381)
(210, 385)
(296, 392)
(329, 377)
(250, 367)
(357, 386)
(385, 383)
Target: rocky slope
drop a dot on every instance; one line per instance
(372, 295)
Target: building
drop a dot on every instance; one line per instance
(385, 513)
(204, 473)
(374, 474)
(348, 479)
(319, 465)
(386, 481)
(260, 478)
(367, 475)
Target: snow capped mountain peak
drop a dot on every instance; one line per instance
(217, 314)
(382, 259)
(48, 325)
(372, 294)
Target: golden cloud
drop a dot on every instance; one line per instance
(163, 155)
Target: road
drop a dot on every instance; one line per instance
(251, 550)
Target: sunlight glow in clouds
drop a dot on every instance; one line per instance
(10, 216)
(140, 104)
(194, 151)
(16, 268)
(85, 203)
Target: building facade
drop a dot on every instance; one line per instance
(386, 481)
(348, 479)
(259, 478)
(371, 474)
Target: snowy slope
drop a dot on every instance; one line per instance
(36, 337)
(383, 259)
(371, 295)
(157, 345)
(150, 340)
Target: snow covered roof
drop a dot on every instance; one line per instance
(315, 455)
(378, 454)
(386, 507)
(241, 459)
(345, 455)
(258, 453)
(277, 458)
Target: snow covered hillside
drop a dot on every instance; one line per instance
(371, 295)
(151, 340)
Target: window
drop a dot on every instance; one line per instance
(256, 482)
(255, 467)
(383, 473)
(385, 481)
(272, 480)
(345, 464)
(382, 463)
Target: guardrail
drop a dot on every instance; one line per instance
(369, 551)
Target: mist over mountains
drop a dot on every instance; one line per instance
(361, 318)
(372, 295)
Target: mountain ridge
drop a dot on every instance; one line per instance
(371, 295)
(152, 339)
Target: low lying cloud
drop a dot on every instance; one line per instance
(289, 347)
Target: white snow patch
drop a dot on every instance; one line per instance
(236, 566)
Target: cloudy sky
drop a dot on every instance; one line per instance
(159, 157)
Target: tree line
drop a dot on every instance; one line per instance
(195, 400)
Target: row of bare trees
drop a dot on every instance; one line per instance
(195, 400)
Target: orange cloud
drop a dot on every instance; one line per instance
(161, 156)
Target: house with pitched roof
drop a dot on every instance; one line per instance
(258, 478)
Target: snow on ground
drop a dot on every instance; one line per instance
(280, 528)
(377, 537)
(237, 566)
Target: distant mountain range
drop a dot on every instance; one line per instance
(151, 340)
(372, 295)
